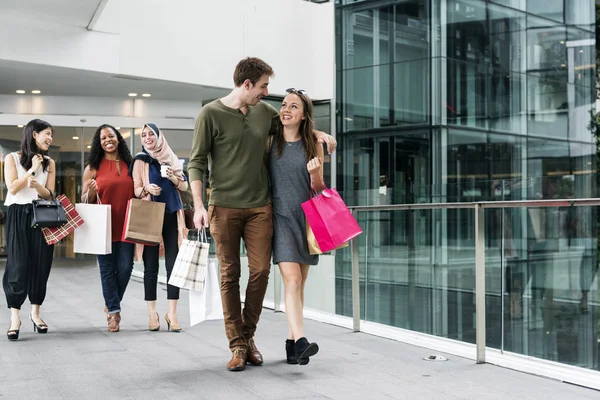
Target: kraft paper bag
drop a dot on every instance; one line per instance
(313, 246)
(143, 222)
(207, 305)
(95, 235)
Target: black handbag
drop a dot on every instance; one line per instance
(48, 213)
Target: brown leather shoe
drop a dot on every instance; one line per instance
(254, 356)
(238, 360)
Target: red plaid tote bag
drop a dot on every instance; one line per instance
(54, 235)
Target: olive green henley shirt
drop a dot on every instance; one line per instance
(234, 144)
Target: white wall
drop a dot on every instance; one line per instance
(69, 110)
(201, 41)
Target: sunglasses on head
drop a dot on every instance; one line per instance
(294, 90)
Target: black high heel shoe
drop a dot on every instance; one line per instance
(13, 334)
(41, 328)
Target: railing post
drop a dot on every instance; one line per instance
(480, 283)
(355, 284)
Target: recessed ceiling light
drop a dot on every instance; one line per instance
(117, 127)
(581, 51)
(146, 95)
(562, 42)
(75, 137)
(19, 126)
(132, 94)
(20, 91)
(89, 147)
(36, 91)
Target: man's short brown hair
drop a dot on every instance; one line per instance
(251, 68)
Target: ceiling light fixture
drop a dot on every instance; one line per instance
(132, 94)
(89, 147)
(36, 92)
(146, 95)
(19, 126)
(117, 127)
(20, 91)
(75, 137)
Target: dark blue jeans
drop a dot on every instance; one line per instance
(115, 271)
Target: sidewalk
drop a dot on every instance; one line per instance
(79, 359)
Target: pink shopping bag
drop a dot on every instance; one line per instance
(330, 220)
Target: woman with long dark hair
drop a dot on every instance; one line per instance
(29, 174)
(153, 185)
(295, 166)
(106, 179)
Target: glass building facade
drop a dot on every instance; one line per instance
(470, 100)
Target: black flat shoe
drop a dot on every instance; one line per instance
(304, 350)
(13, 334)
(41, 328)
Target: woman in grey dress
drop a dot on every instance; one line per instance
(295, 166)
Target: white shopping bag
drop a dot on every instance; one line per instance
(206, 305)
(189, 271)
(95, 235)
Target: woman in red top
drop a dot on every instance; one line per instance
(106, 179)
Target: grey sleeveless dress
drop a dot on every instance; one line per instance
(290, 187)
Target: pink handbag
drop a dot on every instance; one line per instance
(330, 220)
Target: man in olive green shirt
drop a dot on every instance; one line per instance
(232, 133)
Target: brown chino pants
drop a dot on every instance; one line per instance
(227, 227)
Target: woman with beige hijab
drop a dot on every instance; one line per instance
(158, 176)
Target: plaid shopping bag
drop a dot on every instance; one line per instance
(54, 235)
(189, 271)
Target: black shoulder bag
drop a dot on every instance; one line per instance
(48, 213)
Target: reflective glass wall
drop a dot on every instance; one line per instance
(470, 100)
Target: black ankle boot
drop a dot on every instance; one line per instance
(290, 352)
(304, 350)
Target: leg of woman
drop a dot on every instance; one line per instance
(304, 268)
(110, 291)
(15, 276)
(41, 256)
(171, 241)
(150, 257)
(124, 267)
(292, 281)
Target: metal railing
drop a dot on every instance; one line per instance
(478, 209)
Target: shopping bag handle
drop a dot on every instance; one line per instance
(87, 194)
(202, 235)
(325, 192)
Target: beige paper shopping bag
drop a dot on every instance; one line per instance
(144, 222)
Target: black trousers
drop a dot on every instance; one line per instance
(150, 257)
(29, 258)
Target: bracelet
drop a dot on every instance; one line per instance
(142, 192)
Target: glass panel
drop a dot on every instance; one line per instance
(66, 150)
(385, 65)
(484, 66)
(386, 169)
(551, 298)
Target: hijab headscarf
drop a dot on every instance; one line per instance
(161, 152)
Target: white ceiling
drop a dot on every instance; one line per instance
(58, 81)
(67, 12)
